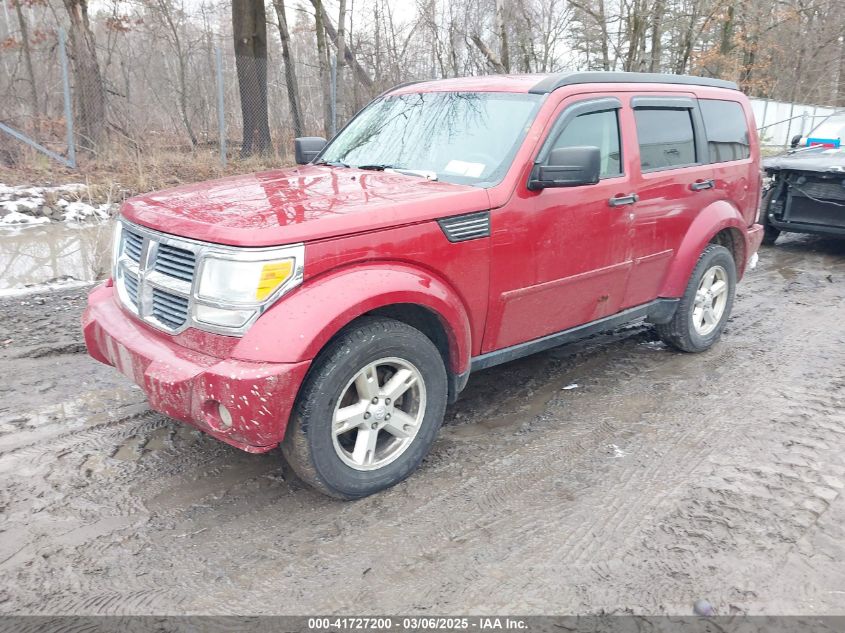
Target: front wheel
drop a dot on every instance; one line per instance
(369, 410)
(706, 305)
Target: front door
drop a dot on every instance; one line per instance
(561, 256)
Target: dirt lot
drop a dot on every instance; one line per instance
(662, 478)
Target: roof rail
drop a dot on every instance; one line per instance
(553, 82)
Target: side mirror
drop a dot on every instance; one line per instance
(567, 167)
(795, 140)
(306, 148)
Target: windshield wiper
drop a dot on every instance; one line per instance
(331, 163)
(422, 173)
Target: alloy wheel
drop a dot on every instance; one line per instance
(711, 298)
(378, 414)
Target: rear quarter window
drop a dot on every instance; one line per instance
(726, 128)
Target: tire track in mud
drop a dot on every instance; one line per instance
(495, 495)
(662, 478)
(656, 473)
(606, 521)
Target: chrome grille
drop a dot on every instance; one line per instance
(130, 282)
(155, 276)
(170, 308)
(132, 244)
(176, 262)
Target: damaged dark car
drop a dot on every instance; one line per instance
(805, 194)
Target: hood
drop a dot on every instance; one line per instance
(299, 205)
(817, 160)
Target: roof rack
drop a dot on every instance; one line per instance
(553, 82)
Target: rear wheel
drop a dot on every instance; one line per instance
(706, 305)
(369, 411)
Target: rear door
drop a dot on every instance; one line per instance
(673, 181)
(729, 146)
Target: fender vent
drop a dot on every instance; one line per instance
(470, 226)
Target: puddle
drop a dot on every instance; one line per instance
(159, 439)
(54, 253)
(130, 450)
(136, 446)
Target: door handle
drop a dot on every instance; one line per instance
(700, 185)
(621, 201)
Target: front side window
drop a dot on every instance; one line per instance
(461, 137)
(727, 130)
(666, 138)
(595, 129)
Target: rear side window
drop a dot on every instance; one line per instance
(666, 137)
(596, 129)
(727, 130)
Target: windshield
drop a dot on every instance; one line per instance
(461, 137)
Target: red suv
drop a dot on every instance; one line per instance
(337, 307)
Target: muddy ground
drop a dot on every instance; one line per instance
(661, 479)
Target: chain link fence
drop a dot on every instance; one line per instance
(161, 84)
(161, 80)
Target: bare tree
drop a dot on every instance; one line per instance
(840, 90)
(323, 61)
(89, 93)
(503, 36)
(656, 35)
(249, 31)
(27, 59)
(291, 81)
(340, 89)
(172, 17)
(350, 58)
(145, 69)
(594, 12)
(489, 55)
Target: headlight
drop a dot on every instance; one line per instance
(244, 282)
(234, 288)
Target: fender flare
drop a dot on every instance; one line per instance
(298, 326)
(710, 221)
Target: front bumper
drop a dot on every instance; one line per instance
(189, 385)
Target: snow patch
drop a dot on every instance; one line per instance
(29, 203)
(14, 218)
(82, 211)
(58, 284)
(44, 204)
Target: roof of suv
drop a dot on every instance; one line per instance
(545, 83)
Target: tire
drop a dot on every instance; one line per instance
(770, 233)
(683, 331)
(352, 464)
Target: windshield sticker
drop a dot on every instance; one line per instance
(463, 168)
